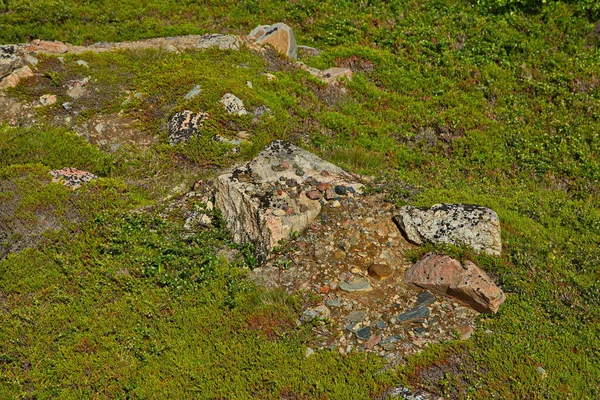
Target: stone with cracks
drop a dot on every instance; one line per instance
(459, 224)
(466, 282)
(183, 125)
(278, 35)
(251, 196)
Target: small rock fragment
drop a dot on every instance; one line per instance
(356, 285)
(380, 271)
(420, 312)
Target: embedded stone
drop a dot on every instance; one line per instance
(184, 125)
(71, 177)
(417, 313)
(233, 104)
(459, 224)
(222, 42)
(380, 271)
(16, 76)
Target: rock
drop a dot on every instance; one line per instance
(443, 275)
(458, 224)
(270, 77)
(31, 60)
(419, 312)
(542, 372)
(16, 76)
(71, 177)
(83, 63)
(183, 125)
(313, 194)
(278, 35)
(222, 42)
(363, 333)
(249, 84)
(320, 312)
(306, 51)
(336, 204)
(464, 331)
(380, 271)
(309, 315)
(48, 99)
(193, 93)
(9, 59)
(308, 352)
(340, 190)
(48, 46)
(425, 298)
(245, 195)
(233, 104)
(356, 285)
(403, 393)
(374, 341)
(261, 110)
(356, 316)
(67, 106)
(334, 75)
(334, 303)
(279, 213)
(329, 194)
(323, 312)
(76, 89)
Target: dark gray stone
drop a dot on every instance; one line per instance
(420, 312)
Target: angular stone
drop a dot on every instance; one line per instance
(363, 333)
(16, 76)
(443, 275)
(420, 312)
(356, 316)
(233, 104)
(313, 194)
(48, 99)
(185, 124)
(278, 35)
(380, 271)
(222, 42)
(245, 194)
(329, 194)
(356, 285)
(458, 224)
(425, 298)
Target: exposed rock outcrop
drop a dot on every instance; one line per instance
(71, 177)
(460, 224)
(466, 282)
(223, 42)
(266, 200)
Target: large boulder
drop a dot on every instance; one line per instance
(278, 35)
(460, 224)
(466, 282)
(277, 193)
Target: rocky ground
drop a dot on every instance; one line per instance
(350, 262)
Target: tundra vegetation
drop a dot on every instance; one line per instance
(490, 102)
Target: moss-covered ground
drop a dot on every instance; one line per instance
(493, 103)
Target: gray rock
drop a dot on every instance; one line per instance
(9, 59)
(222, 42)
(306, 51)
(458, 224)
(193, 93)
(356, 316)
(420, 312)
(403, 393)
(31, 60)
(425, 298)
(184, 125)
(356, 285)
(233, 104)
(363, 333)
(333, 303)
(83, 63)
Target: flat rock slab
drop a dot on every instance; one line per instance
(417, 313)
(266, 199)
(222, 42)
(356, 285)
(466, 282)
(459, 224)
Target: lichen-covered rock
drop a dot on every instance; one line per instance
(223, 42)
(233, 104)
(459, 224)
(265, 200)
(47, 46)
(466, 282)
(278, 35)
(71, 177)
(9, 59)
(183, 125)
